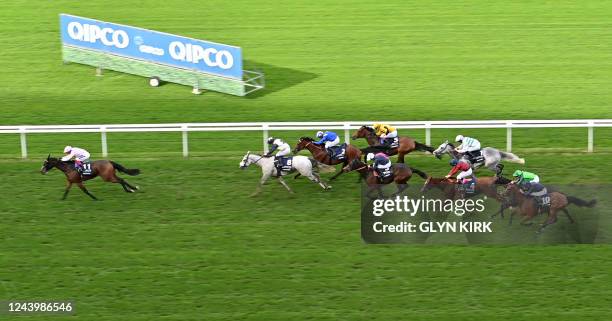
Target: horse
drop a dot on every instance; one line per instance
(492, 157)
(320, 153)
(486, 185)
(401, 174)
(529, 209)
(406, 144)
(304, 165)
(103, 168)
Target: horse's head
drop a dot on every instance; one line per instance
(48, 164)
(445, 147)
(246, 161)
(363, 132)
(511, 188)
(302, 143)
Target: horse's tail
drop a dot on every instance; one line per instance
(323, 168)
(581, 202)
(419, 172)
(511, 158)
(131, 172)
(423, 147)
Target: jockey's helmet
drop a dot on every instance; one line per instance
(271, 140)
(459, 138)
(453, 162)
(370, 157)
(377, 125)
(320, 134)
(67, 149)
(517, 173)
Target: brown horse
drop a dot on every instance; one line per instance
(320, 153)
(103, 168)
(401, 174)
(486, 185)
(528, 207)
(406, 144)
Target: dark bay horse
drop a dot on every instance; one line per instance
(401, 174)
(103, 168)
(406, 144)
(486, 185)
(320, 153)
(529, 209)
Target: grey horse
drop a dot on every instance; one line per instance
(492, 157)
(304, 165)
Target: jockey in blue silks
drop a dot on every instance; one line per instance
(330, 139)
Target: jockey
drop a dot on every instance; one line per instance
(330, 139)
(524, 176)
(385, 132)
(468, 146)
(282, 148)
(537, 191)
(382, 164)
(78, 154)
(466, 176)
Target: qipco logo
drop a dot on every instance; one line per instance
(194, 53)
(93, 33)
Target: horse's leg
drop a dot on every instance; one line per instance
(339, 172)
(569, 217)
(82, 187)
(400, 155)
(262, 181)
(68, 186)
(316, 179)
(113, 178)
(282, 181)
(550, 219)
(297, 175)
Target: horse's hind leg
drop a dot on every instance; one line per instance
(84, 189)
(315, 178)
(569, 217)
(282, 181)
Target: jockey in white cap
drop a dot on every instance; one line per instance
(468, 146)
(78, 154)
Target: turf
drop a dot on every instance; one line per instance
(192, 246)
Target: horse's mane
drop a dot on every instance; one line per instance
(308, 139)
(368, 128)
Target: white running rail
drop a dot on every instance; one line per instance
(266, 128)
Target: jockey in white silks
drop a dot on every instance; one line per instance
(281, 148)
(78, 154)
(469, 146)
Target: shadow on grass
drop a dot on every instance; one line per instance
(277, 78)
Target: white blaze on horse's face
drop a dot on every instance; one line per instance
(245, 162)
(441, 149)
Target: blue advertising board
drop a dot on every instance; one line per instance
(153, 46)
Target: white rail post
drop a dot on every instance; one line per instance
(265, 138)
(185, 141)
(590, 143)
(428, 134)
(347, 134)
(509, 137)
(104, 145)
(24, 143)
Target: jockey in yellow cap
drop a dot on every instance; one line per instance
(385, 132)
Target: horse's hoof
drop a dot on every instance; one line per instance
(137, 187)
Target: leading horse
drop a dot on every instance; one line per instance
(406, 144)
(103, 168)
(401, 175)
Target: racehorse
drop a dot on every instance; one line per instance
(406, 144)
(304, 165)
(486, 185)
(492, 157)
(529, 209)
(103, 168)
(401, 174)
(320, 153)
